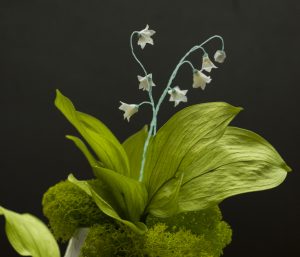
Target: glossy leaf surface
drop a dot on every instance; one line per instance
(198, 125)
(241, 161)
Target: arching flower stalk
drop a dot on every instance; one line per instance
(176, 95)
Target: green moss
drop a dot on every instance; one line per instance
(67, 207)
(195, 234)
(108, 240)
(163, 243)
(207, 223)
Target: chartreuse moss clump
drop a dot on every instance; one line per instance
(67, 208)
(161, 242)
(108, 240)
(195, 234)
(207, 224)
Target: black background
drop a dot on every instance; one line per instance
(82, 48)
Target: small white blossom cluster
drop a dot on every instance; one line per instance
(200, 79)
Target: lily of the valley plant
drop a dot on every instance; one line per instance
(194, 161)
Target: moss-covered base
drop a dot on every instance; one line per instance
(67, 208)
(195, 234)
(192, 234)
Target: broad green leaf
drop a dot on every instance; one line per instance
(28, 235)
(106, 203)
(134, 147)
(130, 194)
(107, 148)
(199, 125)
(165, 202)
(241, 161)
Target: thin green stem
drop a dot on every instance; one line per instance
(213, 37)
(143, 68)
(189, 63)
(133, 54)
(141, 177)
(145, 102)
(153, 121)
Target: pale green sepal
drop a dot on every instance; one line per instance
(199, 125)
(28, 235)
(134, 147)
(109, 151)
(241, 161)
(165, 202)
(130, 194)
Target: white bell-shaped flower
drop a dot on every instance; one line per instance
(207, 64)
(220, 56)
(200, 79)
(129, 110)
(145, 82)
(177, 95)
(145, 37)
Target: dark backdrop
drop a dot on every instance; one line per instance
(81, 47)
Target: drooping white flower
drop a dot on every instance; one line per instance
(220, 56)
(129, 110)
(146, 82)
(177, 95)
(145, 37)
(200, 79)
(207, 64)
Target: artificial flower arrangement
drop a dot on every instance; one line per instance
(157, 193)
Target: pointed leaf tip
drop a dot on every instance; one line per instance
(240, 108)
(58, 93)
(237, 109)
(287, 168)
